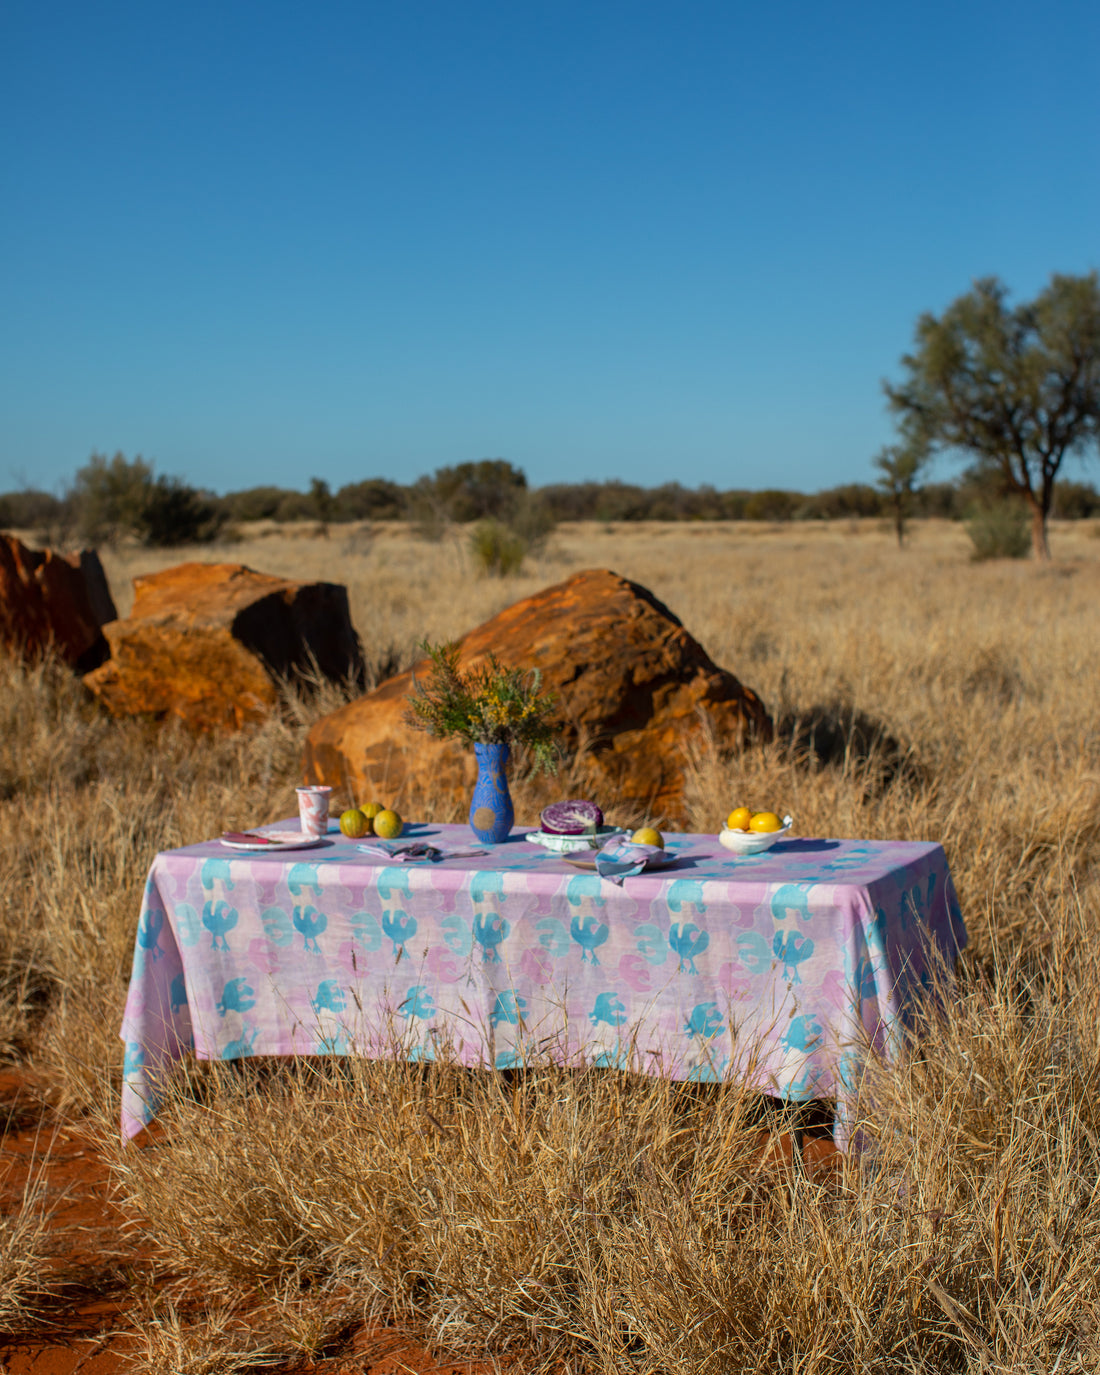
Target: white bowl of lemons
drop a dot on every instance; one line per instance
(750, 833)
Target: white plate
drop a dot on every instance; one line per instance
(283, 840)
(564, 845)
(579, 861)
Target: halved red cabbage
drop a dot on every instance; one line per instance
(570, 818)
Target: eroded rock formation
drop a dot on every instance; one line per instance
(50, 599)
(633, 689)
(209, 643)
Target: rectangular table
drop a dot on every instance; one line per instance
(785, 966)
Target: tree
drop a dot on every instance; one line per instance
(472, 491)
(1017, 389)
(114, 497)
(109, 497)
(322, 501)
(899, 465)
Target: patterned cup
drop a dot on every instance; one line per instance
(313, 810)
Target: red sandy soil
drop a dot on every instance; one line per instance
(86, 1326)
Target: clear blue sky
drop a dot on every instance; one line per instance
(257, 242)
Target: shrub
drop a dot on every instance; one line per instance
(174, 513)
(108, 497)
(771, 504)
(29, 510)
(1075, 501)
(498, 550)
(375, 499)
(999, 530)
(254, 503)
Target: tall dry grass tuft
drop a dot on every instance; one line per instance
(26, 1282)
(591, 1220)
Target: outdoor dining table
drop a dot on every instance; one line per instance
(789, 967)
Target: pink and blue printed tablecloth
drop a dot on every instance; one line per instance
(784, 966)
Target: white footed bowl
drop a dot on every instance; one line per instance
(567, 845)
(753, 842)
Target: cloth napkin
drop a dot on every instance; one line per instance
(620, 858)
(409, 851)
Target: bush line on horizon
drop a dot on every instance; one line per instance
(115, 499)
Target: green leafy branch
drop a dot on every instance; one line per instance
(488, 703)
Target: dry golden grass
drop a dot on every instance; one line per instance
(589, 1221)
(26, 1284)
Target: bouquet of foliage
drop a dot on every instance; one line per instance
(486, 704)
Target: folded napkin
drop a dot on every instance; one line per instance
(408, 851)
(620, 858)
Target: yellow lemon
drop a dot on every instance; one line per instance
(765, 821)
(738, 819)
(353, 823)
(647, 835)
(388, 824)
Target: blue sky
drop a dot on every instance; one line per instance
(261, 242)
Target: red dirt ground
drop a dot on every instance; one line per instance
(86, 1325)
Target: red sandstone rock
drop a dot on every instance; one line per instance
(45, 601)
(209, 643)
(633, 689)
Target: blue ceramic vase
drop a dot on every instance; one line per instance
(491, 811)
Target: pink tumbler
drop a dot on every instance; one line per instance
(313, 810)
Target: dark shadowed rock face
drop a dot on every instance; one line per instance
(633, 689)
(50, 599)
(209, 643)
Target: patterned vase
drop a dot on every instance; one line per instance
(491, 811)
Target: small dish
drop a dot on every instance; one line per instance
(566, 845)
(753, 842)
(272, 842)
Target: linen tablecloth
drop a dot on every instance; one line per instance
(784, 966)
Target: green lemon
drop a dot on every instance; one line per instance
(354, 824)
(388, 824)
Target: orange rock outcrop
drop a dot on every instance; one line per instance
(46, 601)
(634, 689)
(209, 643)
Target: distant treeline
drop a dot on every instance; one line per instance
(113, 498)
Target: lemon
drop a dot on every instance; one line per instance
(353, 823)
(765, 821)
(388, 824)
(647, 835)
(738, 819)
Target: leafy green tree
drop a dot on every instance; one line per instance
(473, 491)
(900, 465)
(1016, 389)
(108, 497)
